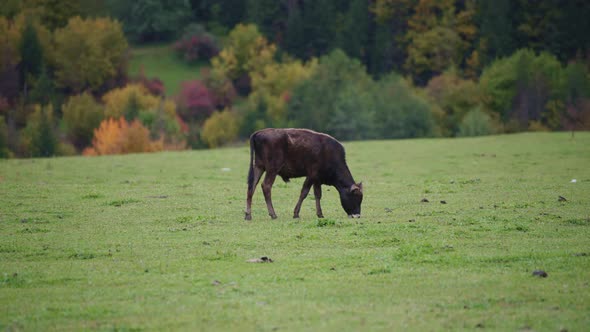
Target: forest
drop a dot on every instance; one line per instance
(355, 69)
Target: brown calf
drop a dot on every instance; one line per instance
(292, 153)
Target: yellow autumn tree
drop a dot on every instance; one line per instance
(272, 85)
(220, 128)
(119, 137)
(129, 100)
(246, 51)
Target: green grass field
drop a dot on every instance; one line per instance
(158, 241)
(161, 62)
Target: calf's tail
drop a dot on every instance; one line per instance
(251, 169)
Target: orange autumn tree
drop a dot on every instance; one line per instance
(120, 137)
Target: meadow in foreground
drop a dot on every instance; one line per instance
(158, 241)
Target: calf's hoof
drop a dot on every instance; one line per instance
(273, 216)
(295, 216)
(320, 215)
(248, 217)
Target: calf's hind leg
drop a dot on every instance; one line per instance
(251, 187)
(269, 179)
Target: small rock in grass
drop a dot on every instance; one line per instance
(412, 220)
(562, 199)
(540, 273)
(216, 283)
(424, 200)
(262, 259)
(443, 202)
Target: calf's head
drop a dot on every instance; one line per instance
(351, 199)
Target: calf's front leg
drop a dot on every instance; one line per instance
(317, 192)
(304, 192)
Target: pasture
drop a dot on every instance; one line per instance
(160, 61)
(158, 241)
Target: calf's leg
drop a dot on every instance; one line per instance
(251, 187)
(304, 192)
(269, 179)
(317, 192)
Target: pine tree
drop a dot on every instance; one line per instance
(497, 33)
(31, 56)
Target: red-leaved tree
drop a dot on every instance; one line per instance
(195, 102)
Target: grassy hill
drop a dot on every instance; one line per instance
(158, 241)
(160, 61)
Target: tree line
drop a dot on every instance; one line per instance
(357, 69)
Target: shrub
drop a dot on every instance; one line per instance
(476, 123)
(194, 101)
(81, 115)
(196, 44)
(221, 128)
(120, 137)
(66, 149)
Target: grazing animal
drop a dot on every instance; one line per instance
(292, 153)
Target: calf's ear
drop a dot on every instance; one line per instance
(356, 188)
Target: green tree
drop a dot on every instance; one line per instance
(56, 13)
(152, 20)
(43, 92)
(399, 112)
(219, 15)
(265, 14)
(40, 139)
(354, 36)
(455, 97)
(387, 51)
(440, 34)
(520, 87)
(295, 39)
(31, 56)
(88, 53)
(497, 33)
(312, 103)
(81, 115)
(4, 152)
(354, 112)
